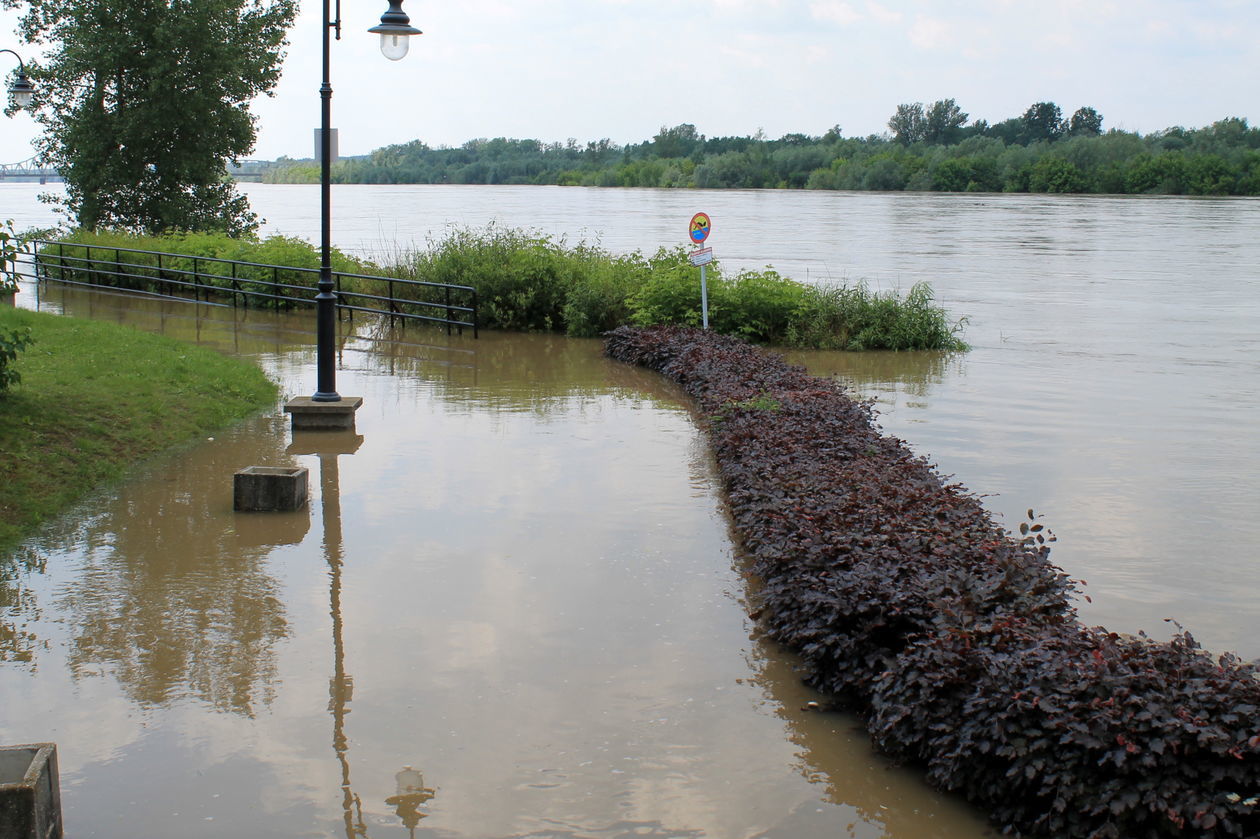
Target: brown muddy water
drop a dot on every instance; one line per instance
(516, 579)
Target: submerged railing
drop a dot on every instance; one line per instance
(218, 281)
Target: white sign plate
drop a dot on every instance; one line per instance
(702, 257)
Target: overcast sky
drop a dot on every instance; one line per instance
(621, 69)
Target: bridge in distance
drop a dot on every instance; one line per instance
(30, 170)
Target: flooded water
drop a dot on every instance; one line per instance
(516, 578)
(1114, 383)
(520, 581)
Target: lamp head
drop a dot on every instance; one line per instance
(23, 91)
(395, 30)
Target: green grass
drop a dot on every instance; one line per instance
(95, 399)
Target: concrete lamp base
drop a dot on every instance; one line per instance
(309, 415)
(269, 489)
(30, 793)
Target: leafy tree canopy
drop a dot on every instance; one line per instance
(909, 124)
(1086, 122)
(943, 122)
(145, 101)
(1042, 121)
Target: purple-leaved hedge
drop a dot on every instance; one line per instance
(955, 639)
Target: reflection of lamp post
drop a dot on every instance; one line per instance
(395, 30)
(327, 447)
(22, 89)
(411, 794)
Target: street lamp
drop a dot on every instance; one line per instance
(22, 90)
(395, 29)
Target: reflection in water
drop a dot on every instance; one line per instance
(506, 371)
(170, 602)
(18, 607)
(836, 751)
(911, 373)
(411, 794)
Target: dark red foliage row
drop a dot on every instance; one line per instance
(955, 639)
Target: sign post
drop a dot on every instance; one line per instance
(701, 225)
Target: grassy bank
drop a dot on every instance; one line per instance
(527, 281)
(94, 400)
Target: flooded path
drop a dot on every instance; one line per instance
(516, 579)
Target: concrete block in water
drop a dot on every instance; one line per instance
(30, 793)
(309, 415)
(269, 489)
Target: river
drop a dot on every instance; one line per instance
(520, 581)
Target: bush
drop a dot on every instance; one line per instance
(955, 638)
(12, 343)
(9, 249)
(856, 318)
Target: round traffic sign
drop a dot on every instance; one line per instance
(700, 227)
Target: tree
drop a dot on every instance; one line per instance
(678, 141)
(943, 122)
(908, 124)
(1042, 121)
(1086, 122)
(144, 102)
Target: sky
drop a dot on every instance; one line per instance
(621, 69)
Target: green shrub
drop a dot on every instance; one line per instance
(12, 342)
(670, 294)
(602, 300)
(856, 318)
(9, 248)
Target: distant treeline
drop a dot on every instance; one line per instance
(925, 149)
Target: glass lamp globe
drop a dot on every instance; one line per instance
(395, 30)
(394, 46)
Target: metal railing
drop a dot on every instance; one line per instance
(207, 279)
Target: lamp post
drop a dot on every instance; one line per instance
(395, 30)
(22, 89)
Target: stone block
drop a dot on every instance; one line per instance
(269, 489)
(30, 792)
(308, 415)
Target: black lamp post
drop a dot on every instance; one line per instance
(22, 89)
(395, 29)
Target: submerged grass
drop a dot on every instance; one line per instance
(528, 281)
(96, 398)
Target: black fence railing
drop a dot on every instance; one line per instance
(230, 282)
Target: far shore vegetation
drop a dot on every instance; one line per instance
(531, 282)
(927, 148)
(94, 399)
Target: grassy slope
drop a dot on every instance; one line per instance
(95, 399)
